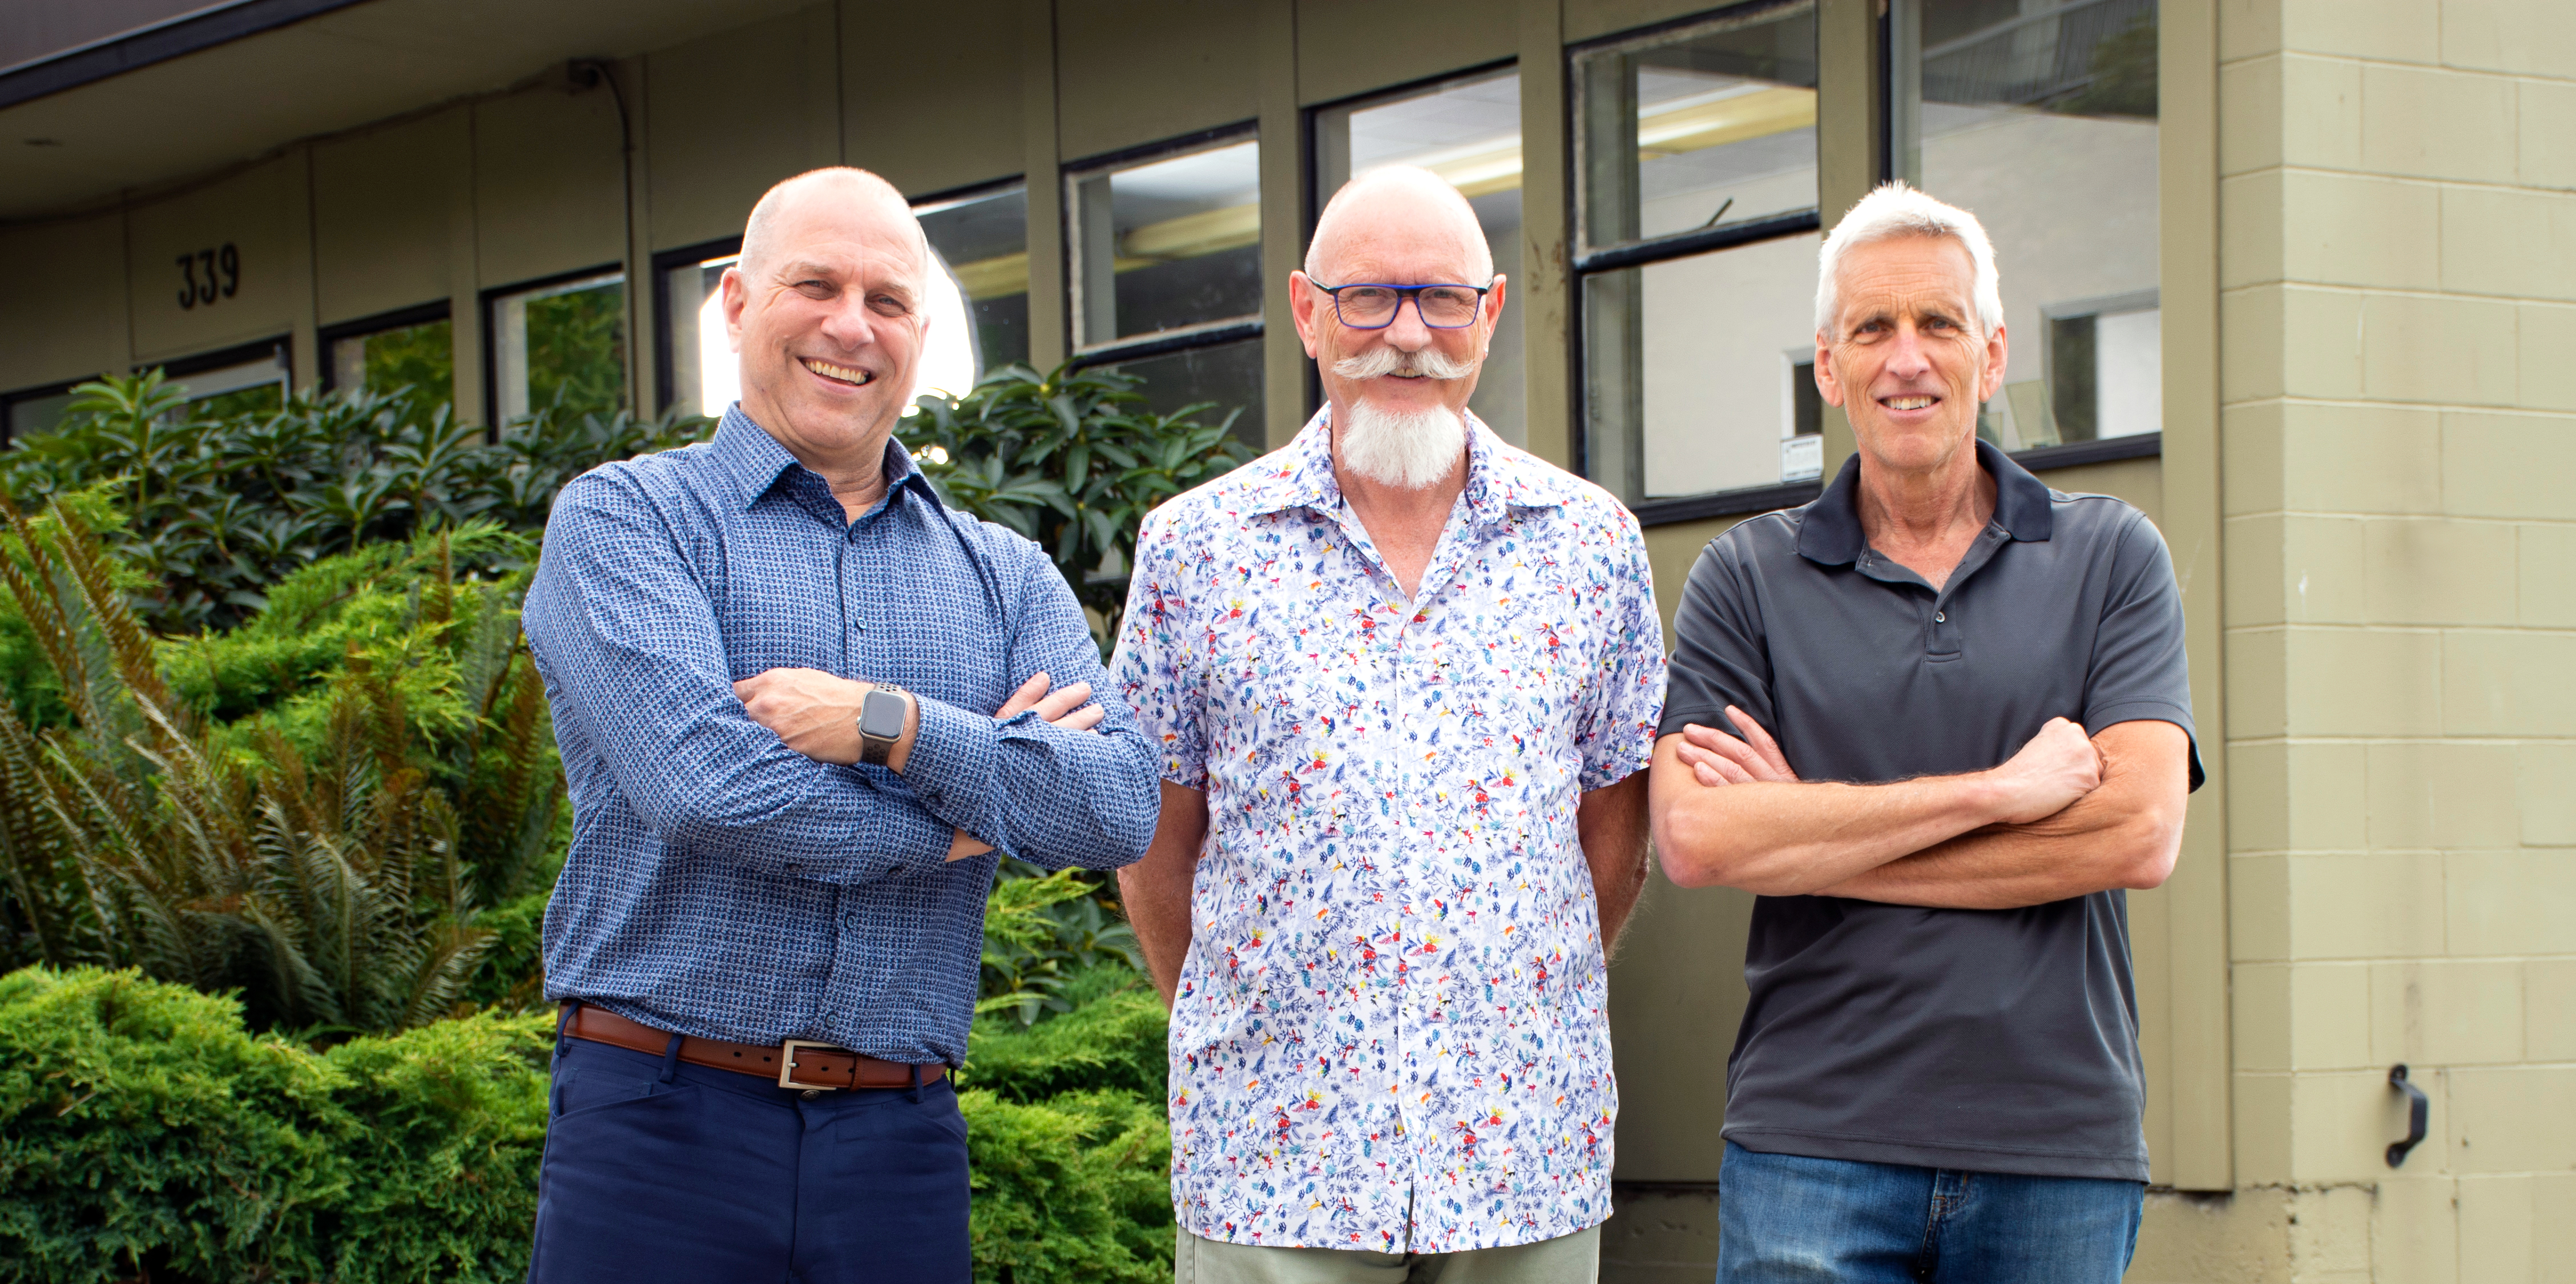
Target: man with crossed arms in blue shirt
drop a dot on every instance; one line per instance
(802, 705)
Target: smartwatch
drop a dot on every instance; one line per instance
(881, 718)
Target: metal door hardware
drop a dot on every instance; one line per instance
(2418, 1112)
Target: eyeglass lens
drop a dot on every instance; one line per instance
(1370, 306)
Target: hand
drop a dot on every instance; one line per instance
(1069, 708)
(1716, 758)
(2058, 766)
(815, 713)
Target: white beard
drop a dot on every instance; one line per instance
(1406, 449)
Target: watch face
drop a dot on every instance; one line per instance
(881, 717)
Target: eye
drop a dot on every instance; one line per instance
(889, 305)
(813, 289)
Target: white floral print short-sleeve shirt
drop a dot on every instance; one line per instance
(1391, 1032)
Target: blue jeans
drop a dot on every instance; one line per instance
(656, 1170)
(1784, 1218)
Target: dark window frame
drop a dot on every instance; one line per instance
(1644, 252)
(397, 319)
(1204, 334)
(664, 263)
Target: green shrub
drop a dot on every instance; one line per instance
(1073, 461)
(145, 1134)
(325, 857)
(221, 507)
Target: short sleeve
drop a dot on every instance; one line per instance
(2140, 669)
(1618, 734)
(1720, 657)
(1153, 667)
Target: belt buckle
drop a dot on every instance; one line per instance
(787, 1063)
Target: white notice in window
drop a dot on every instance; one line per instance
(1802, 458)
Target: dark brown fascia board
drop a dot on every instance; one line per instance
(160, 42)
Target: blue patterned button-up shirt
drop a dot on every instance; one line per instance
(723, 885)
(1390, 1032)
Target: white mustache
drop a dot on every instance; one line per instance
(1379, 362)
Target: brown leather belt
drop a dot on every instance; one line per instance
(796, 1063)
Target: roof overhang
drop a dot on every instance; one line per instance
(210, 90)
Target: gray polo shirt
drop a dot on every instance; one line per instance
(1986, 1040)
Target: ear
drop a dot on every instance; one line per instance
(1991, 380)
(1826, 386)
(736, 293)
(1301, 308)
(1493, 313)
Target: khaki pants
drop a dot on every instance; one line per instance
(1567, 1259)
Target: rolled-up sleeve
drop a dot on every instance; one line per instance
(627, 640)
(1042, 793)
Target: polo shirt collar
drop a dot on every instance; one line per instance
(1830, 533)
(756, 461)
(1499, 477)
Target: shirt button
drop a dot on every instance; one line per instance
(1940, 617)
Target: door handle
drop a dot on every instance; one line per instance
(2418, 1113)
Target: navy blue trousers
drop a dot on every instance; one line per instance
(658, 1170)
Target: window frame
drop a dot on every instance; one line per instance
(665, 262)
(359, 328)
(1203, 334)
(1311, 169)
(9, 402)
(488, 301)
(1900, 121)
(1585, 262)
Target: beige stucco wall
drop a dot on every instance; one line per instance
(2398, 261)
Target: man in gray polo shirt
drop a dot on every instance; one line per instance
(1937, 720)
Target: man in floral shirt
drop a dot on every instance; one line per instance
(1404, 677)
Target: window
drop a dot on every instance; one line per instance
(559, 346)
(1695, 211)
(248, 380)
(2040, 115)
(1468, 131)
(1167, 274)
(978, 304)
(414, 348)
(32, 411)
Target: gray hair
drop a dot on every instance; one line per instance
(1895, 210)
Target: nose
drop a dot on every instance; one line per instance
(1408, 332)
(849, 324)
(1906, 357)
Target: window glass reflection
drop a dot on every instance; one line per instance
(1469, 132)
(984, 241)
(1228, 375)
(253, 387)
(1699, 372)
(413, 356)
(2040, 116)
(560, 348)
(1168, 243)
(1701, 128)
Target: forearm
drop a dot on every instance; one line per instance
(1611, 823)
(1044, 794)
(2126, 834)
(1794, 838)
(1156, 890)
(2079, 851)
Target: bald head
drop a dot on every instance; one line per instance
(836, 189)
(1399, 205)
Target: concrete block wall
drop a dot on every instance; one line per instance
(2398, 266)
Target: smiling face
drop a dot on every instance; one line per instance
(1904, 360)
(1397, 228)
(826, 312)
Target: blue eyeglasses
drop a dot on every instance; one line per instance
(1372, 305)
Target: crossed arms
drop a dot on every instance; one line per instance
(643, 693)
(2066, 816)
